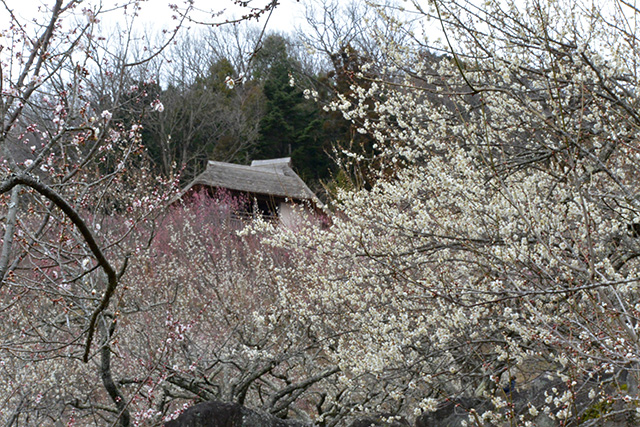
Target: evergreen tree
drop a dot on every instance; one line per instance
(292, 125)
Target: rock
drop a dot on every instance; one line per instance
(222, 414)
(453, 412)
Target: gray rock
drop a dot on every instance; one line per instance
(223, 414)
(453, 412)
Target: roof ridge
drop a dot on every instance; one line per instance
(259, 169)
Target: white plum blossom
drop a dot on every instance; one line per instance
(156, 105)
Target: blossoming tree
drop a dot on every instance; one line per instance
(76, 194)
(499, 241)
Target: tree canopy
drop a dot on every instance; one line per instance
(482, 249)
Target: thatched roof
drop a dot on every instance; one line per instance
(273, 177)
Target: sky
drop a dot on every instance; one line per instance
(154, 16)
(158, 14)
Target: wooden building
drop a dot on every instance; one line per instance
(271, 187)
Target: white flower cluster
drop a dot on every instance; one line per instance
(494, 224)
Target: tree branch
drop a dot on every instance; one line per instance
(107, 379)
(294, 387)
(8, 232)
(76, 219)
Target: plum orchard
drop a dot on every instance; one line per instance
(499, 240)
(494, 240)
